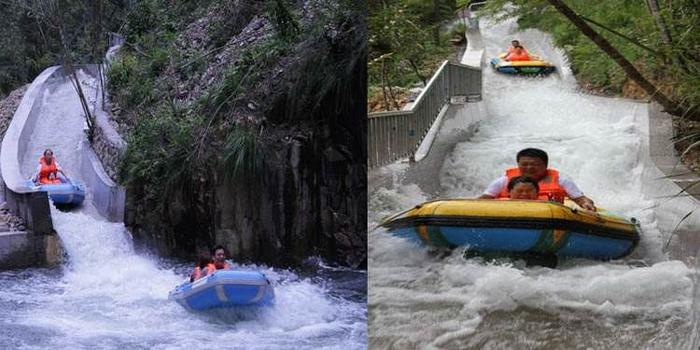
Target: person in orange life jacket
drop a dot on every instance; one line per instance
(514, 44)
(48, 170)
(202, 261)
(518, 54)
(218, 260)
(523, 187)
(532, 162)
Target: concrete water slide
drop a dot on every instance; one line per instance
(50, 116)
(663, 174)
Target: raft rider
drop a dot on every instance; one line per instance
(518, 54)
(47, 172)
(202, 261)
(532, 162)
(523, 187)
(218, 258)
(515, 44)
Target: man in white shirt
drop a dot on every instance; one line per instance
(532, 163)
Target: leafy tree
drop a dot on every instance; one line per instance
(404, 36)
(640, 33)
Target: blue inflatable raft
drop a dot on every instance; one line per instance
(225, 288)
(68, 193)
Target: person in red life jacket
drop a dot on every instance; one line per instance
(48, 170)
(532, 162)
(218, 260)
(202, 262)
(518, 54)
(523, 187)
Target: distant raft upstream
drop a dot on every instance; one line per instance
(518, 227)
(532, 67)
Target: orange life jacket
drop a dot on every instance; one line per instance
(523, 56)
(196, 274)
(212, 267)
(47, 170)
(550, 190)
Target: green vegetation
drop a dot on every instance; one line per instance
(180, 147)
(657, 37)
(286, 25)
(407, 43)
(244, 157)
(588, 62)
(133, 85)
(673, 65)
(31, 40)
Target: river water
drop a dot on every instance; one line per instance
(421, 298)
(108, 296)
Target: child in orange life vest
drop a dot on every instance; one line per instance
(199, 270)
(208, 265)
(523, 187)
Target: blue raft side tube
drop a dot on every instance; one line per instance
(227, 288)
(71, 192)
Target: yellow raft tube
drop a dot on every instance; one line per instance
(517, 227)
(536, 66)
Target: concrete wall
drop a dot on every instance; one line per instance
(107, 197)
(100, 162)
(474, 55)
(670, 177)
(40, 244)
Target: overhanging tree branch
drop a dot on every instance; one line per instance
(632, 41)
(632, 72)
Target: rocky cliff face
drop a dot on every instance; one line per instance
(306, 108)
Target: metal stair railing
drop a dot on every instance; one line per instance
(397, 134)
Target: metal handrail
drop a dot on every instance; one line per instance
(475, 4)
(394, 135)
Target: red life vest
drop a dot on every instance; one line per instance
(550, 190)
(48, 170)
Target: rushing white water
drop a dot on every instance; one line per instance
(107, 296)
(421, 298)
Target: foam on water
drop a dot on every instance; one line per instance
(107, 296)
(420, 297)
(110, 297)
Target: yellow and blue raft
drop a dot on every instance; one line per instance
(518, 227)
(537, 66)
